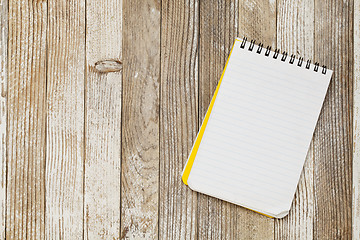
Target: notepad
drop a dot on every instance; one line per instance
(252, 145)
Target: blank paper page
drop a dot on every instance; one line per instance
(259, 130)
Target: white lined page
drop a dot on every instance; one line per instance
(260, 127)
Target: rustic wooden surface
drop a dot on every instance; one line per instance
(178, 116)
(26, 120)
(101, 101)
(140, 120)
(103, 119)
(356, 125)
(333, 136)
(64, 198)
(3, 110)
(295, 34)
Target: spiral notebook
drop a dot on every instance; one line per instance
(252, 145)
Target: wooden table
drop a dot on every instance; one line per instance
(101, 101)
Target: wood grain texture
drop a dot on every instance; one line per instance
(219, 23)
(65, 120)
(178, 116)
(101, 101)
(299, 223)
(26, 120)
(295, 34)
(356, 126)
(140, 119)
(333, 136)
(257, 21)
(103, 119)
(3, 110)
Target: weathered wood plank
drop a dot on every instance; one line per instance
(218, 29)
(257, 20)
(140, 119)
(178, 116)
(299, 224)
(3, 110)
(295, 34)
(65, 120)
(333, 136)
(26, 120)
(103, 119)
(356, 126)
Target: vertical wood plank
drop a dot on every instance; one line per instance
(65, 120)
(333, 137)
(218, 29)
(356, 126)
(299, 223)
(295, 34)
(103, 119)
(3, 110)
(26, 119)
(257, 20)
(140, 119)
(178, 116)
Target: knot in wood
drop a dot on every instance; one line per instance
(106, 66)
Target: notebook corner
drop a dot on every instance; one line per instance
(282, 214)
(184, 179)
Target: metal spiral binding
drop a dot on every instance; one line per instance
(301, 59)
(276, 53)
(292, 59)
(259, 48)
(284, 55)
